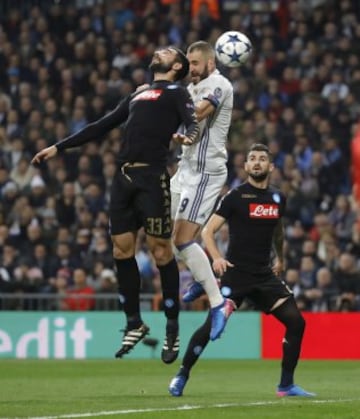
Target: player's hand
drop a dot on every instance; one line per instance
(142, 87)
(45, 154)
(181, 139)
(220, 266)
(278, 267)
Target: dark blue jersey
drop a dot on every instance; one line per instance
(252, 215)
(150, 117)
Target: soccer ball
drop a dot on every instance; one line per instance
(233, 48)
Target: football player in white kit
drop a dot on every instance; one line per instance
(201, 175)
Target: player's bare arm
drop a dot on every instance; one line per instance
(278, 243)
(203, 109)
(220, 264)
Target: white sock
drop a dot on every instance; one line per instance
(198, 263)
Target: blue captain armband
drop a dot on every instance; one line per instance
(212, 99)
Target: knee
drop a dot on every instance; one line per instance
(162, 254)
(122, 252)
(301, 324)
(296, 325)
(177, 241)
(176, 238)
(181, 241)
(184, 235)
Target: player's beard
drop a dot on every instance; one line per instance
(159, 67)
(259, 177)
(197, 77)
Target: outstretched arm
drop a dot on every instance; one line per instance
(93, 131)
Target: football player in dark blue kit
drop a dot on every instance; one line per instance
(140, 194)
(254, 214)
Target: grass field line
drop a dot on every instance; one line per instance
(179, 408)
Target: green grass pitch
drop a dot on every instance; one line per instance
(138, 389)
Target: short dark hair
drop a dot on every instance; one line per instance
(204, 47)
(181, 58)
(260, 147)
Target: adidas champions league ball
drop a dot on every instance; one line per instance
(233, 48)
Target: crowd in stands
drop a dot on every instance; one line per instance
(64, 66)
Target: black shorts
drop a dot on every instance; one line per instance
(140, 197)
(263, 290)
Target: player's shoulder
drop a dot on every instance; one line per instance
(274, 189)
(219, 78)
(233, 193)
(176, 91)
(169, 87)
(244, 186)
(276, 193)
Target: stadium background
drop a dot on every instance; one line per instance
(64, 64)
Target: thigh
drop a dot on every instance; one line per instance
(184, 231)
(122, 214)
(161, 249)
(199, 193)
(153, 203)
(124, 245)
(267, 292)
(235, 285)
(262, 290)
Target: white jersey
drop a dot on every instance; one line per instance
(209, 155)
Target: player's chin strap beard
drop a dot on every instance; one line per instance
(260, 177)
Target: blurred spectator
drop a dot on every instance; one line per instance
(100, 250)
(309, 248)
(22, 173)
(107, 285)
(42, 259)
(335, 85)
(342, 218)
(347, 277)
(79, 297)
(292, 279)
(321, 297)
(65, 205)
(307, 272)
(64, 258)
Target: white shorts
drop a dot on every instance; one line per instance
(194, 194)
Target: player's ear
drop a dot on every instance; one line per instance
(272, 167)
(177, 66)
(211, 64)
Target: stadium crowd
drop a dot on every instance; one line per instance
(64, 65)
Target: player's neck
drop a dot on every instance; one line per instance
(259, 185)
(163, 77)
